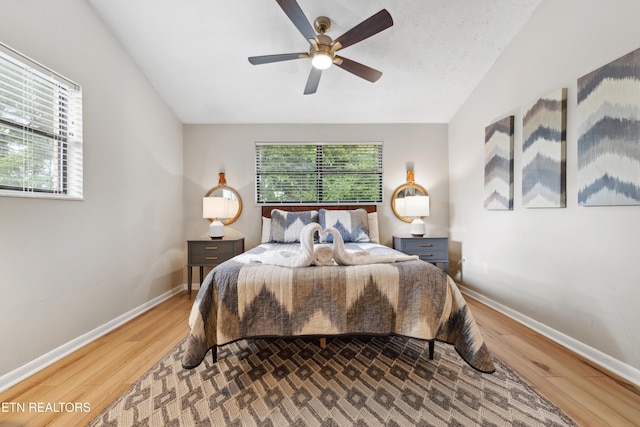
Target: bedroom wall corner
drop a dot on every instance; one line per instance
(69, 267)
(570, 269)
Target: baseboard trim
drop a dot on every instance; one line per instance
(604, 361)
(25, 371)
(595, 356)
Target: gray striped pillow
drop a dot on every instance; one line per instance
(286, 226)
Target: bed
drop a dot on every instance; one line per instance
(255, 295)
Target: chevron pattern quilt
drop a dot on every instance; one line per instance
(242, 299)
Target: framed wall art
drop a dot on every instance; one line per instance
(608, 117)
(498, 165)
(544, 140)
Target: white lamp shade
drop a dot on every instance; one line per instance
(416, 206)
(215, 207)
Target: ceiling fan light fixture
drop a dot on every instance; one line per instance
(322, 51)
(321, 60)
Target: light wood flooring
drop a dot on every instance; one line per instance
(102, 370)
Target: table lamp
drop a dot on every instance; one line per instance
(215, 208)
(417, 206)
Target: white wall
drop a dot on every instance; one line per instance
(209, 149)
(574, 270)
(67, 267)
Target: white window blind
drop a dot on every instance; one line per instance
(40, 129)
(318, 173)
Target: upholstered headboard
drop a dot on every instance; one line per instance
(266, 210)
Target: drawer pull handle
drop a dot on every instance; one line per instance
(213, 258)
(426, 255)
(211, 248)
(426, 245)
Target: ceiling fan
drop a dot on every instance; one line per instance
(323, 49)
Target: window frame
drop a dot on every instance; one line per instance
(321, 173)
(57, 130)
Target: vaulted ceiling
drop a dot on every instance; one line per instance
(195, 54)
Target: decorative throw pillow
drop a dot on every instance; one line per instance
(352, 224)
(286, 226)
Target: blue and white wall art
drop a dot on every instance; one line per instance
(498, 165)
(609, 134)
(544, 136)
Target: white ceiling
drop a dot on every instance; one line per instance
(195, 54)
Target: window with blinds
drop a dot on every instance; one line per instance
(40, 130)
(318, 173)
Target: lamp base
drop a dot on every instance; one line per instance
(216, 230)
(417, 227)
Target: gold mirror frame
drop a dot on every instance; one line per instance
(400, 192)
(219, 192)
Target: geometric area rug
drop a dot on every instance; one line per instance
(387, 381)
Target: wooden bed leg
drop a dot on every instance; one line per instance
(431, 348)
(323, 342)
(214, 353)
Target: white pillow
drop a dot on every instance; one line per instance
(374, 233)
(266, 230)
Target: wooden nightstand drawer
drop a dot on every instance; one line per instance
(209, 253)
(430, 249)
(416, 245)
(431, 256)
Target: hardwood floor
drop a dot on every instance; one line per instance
(585, 392)
(102, 370)
(99, 372)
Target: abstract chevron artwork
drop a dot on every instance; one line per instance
(498, 165)
(609, 134)
(544, 152)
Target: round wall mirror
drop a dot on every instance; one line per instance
(230, 194)
(405, 190)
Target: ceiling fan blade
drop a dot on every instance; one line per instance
(266, 59)
(367, 28)
(313, 81)
(358, 69)
(297, 16)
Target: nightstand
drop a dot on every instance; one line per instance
(209, 253)
(431, 249)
